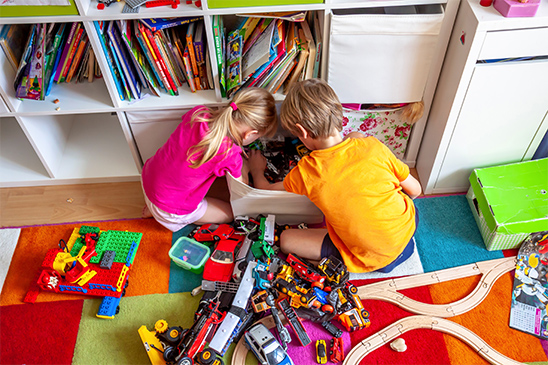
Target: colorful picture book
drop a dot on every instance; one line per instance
(53, 53)
(528, 311)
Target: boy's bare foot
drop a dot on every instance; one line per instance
(146, 213)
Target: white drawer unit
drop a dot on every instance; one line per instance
(491, 103)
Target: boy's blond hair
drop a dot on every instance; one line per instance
(254, 108)
(314, 105)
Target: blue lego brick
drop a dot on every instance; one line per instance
(108, 308)
(131, 253)
(72, 288)
(93, 286)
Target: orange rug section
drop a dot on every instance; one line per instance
(149, 273)
(489, 320)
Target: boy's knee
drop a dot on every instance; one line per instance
(285, 242)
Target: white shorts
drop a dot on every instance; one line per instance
(175, 222)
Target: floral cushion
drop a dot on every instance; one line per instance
(385, 125)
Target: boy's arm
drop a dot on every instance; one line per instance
(257, 165)
(411, 187)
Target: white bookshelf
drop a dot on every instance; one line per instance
(86, 137)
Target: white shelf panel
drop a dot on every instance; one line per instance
(82, 97)
(184, 99)
(18, 161)
(3, 107)
(89, 146)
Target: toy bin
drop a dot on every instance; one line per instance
(189, 254)
(509, 202)
(382, 54)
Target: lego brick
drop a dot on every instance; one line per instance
(108, 259)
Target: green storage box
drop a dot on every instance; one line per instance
(509, 202)
(189, 254)
(248, 3)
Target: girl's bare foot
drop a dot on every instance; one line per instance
(146, 213)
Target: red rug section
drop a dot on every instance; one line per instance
(50, 327)
(423, 346)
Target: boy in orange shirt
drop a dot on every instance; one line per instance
(363, 190)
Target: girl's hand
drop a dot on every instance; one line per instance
(256, 162)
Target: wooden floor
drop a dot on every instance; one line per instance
(76, 203)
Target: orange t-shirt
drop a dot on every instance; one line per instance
(356, 184)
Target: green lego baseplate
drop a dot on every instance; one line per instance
(118, 241)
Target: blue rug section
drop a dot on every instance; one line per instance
(181, 280)
(447, 235)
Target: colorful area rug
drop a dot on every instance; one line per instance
(63, 329)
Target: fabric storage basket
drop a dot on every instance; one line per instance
(288, 208)
(152, 129)
(386, 125)
(382, 58)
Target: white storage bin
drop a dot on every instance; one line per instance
(289, 208)
(382, 54)
(151, 129)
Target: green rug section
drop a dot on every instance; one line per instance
(116, 341)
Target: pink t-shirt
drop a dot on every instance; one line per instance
(168, 180)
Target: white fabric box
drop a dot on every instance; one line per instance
(151, 129)
(382, 58)
(288, 208)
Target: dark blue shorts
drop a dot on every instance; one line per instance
(329, 249)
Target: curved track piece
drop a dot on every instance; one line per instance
(438, 324)
(388, 290)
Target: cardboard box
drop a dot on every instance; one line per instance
(288, 208)
(245, 3)
(509, 202)
(515, 8)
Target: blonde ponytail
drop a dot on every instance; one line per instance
(255, 108)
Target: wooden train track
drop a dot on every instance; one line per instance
(430, 314)
(393, 331)
(388, 290)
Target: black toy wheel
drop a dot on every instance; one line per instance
(365, 313)
(117, 309)
(169, 354)
(185, 361)
(353, 289)
(206, 357)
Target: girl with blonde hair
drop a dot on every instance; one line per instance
(207, 144)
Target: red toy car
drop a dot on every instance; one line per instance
(306, 270)
(336, 354)
(220, 264)
(213, 232)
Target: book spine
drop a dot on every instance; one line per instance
(188, 70)
(192, 55)
(77, 58)
(72, 52)
(127, 93)
(53, 67)
(219, 51)
(160, 43)
(122, 59)
(68, 41)
(110, 60)
(161, 64)
(155, 24)
(150, 59)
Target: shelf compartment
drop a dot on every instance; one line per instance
(114, 11)
(83, 96)
(19, 163)
(82, 146)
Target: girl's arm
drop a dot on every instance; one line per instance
(257, 165)
(411, 187)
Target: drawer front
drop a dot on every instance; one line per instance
(515, 43)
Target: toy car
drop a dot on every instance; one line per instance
(213, 232)
(220, 264)
(265, 346)
(336, 354)
(306, 270)
(321, 352)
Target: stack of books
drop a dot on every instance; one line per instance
(271, 51)
(154, 56)
(53, 53)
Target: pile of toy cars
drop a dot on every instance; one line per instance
(244, 280)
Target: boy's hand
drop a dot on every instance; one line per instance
(256, 162)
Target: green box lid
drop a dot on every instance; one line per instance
(514, 197)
